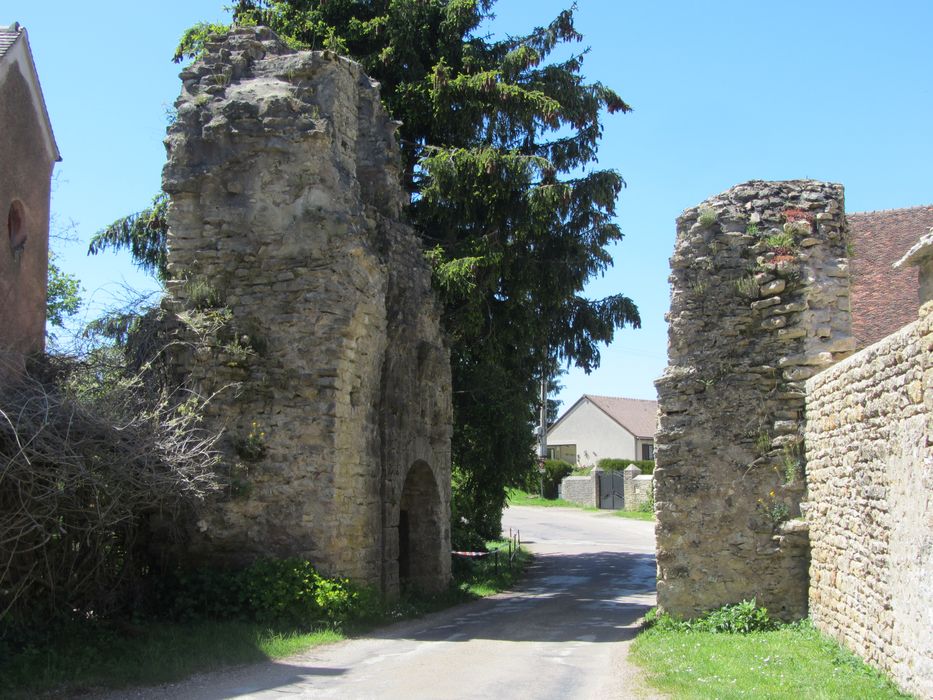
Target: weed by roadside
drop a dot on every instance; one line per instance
(739, 652)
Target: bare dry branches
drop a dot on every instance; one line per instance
(88, 463)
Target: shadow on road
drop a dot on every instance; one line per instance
(588, 597)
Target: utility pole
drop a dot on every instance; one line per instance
(542, 431)
(542, 434)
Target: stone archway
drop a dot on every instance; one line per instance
(420, 551)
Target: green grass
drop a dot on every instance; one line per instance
(105, 656)
(793, 662)
(633, 514)
(79, 658)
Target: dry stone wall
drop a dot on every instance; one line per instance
(303, 305)
(869, 441)
(759, 304)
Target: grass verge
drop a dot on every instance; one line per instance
(634, 515)
(86, 657)
(83, 657)
(517, 497)
(794, 661)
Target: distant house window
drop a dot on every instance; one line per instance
(566, 453)
(647, 451)
(16, 228)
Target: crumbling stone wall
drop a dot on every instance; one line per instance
(304, 307)
(759, 304)
(869, 440)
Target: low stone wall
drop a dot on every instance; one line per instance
(642, 491)
(580, 489)
(870, 480)
(638, 488)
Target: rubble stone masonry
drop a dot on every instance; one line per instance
(304, 307)
(869, 444)
(759, 304)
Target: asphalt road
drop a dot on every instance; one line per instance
(562, 634)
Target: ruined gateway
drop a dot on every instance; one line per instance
(759, 304)
(305, 308)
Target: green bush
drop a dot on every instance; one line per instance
(741, 618)
(268, 591)
(610, 464)
(554, 471)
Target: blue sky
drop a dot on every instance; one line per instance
(723, 92)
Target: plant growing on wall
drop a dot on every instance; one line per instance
(774, 509)
(781, 243)
(707, 217)
(747, 287)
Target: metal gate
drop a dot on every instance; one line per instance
(612, 490)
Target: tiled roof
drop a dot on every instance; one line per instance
(638, 416)
(883, 299)
(8, 36)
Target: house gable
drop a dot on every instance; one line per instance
(605, 427)
(16, 54)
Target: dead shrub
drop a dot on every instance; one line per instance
(89, 462)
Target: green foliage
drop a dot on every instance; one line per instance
(780, 241)
(706, 218)
(763, 443)
(144, 234)
(747, 287)
(554, 471)
(268, 591)
(774, 509)
(252, 448)
(63, 296)
(793, 464)
(610, 464)
(201, 294)
(752, 229)
(741, 618)
(191, 44)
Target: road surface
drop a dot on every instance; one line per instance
(562, 634)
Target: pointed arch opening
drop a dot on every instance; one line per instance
(420, 554)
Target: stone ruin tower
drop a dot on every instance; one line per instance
(759, 303)
(304, 306)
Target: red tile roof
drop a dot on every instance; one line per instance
(638, 416)
(883, 299)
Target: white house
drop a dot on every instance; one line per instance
(600, 427)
